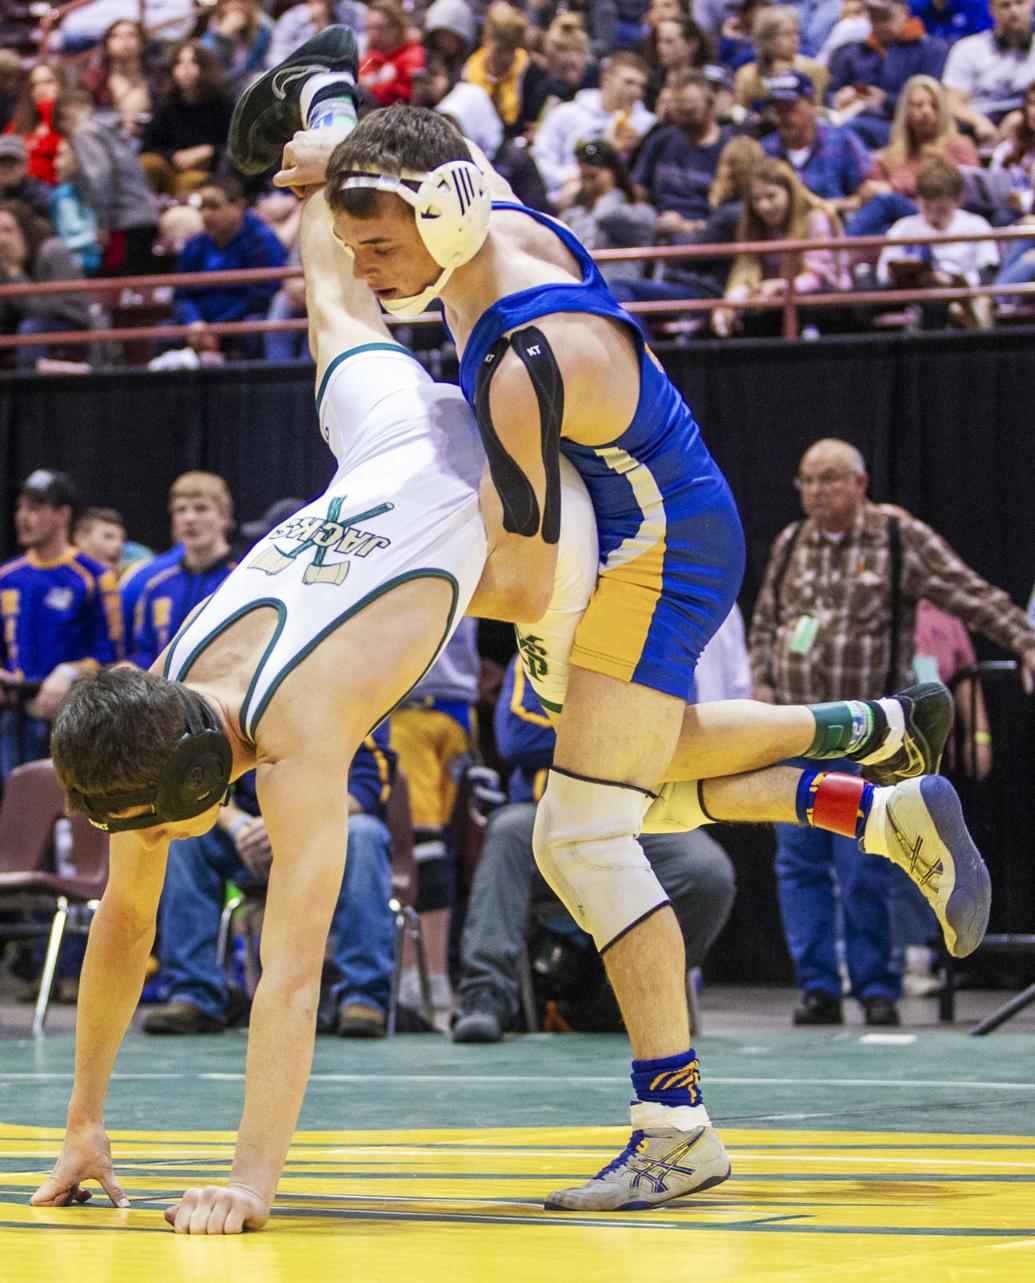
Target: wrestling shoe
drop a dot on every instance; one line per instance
(919, 721)
(919, 826)
(269, 112)
(658, 1164)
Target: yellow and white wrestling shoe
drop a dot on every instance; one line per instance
(657, 1165)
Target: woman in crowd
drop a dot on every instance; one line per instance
(678, 44)
(779, 207)
(392, 56)
(606, 213)
(183, 142)
(505, 69)
(1015, 156)
(33, 118)
(30, 252)
(568, 59)
(777, 42)
(239, 34)
(73, 218)
(923, 130)
(118, 77)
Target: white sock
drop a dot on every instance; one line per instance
(896, 731)
(339, 111)
(649, 1114)
(875, 835)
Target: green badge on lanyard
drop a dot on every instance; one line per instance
(804, 635)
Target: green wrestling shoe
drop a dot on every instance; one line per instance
(269, 112)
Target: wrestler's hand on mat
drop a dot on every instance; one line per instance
(85, 1155)
(304, 163)
(218, 1209)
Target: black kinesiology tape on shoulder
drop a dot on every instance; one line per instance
(521, 513)
(538, 359)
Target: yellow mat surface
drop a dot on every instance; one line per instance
(453, 1206)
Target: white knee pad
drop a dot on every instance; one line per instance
(586, 849)
(677, 809)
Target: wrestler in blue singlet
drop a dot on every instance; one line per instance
(671, 544)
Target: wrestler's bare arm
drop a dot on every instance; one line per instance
(121, 936)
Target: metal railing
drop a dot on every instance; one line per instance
(111, 289)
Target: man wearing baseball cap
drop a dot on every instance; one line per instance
(830, 161)
(61, 617)
(15, 183)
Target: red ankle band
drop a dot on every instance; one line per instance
(836, 803)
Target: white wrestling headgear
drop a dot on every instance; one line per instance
(451, 205)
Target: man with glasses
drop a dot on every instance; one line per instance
(837, 613)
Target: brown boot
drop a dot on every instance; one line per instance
(182, 1017)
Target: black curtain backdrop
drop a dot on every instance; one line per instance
(944, 421)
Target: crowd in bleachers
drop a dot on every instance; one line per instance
(675, 122)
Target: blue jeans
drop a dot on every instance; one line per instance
(22, 739)
(288, 347)
(1016, 268)
(635, 290)
(695, 872)
(192, 901)
(28, 356)
(807, 863)
(874, 132)
(878, 213)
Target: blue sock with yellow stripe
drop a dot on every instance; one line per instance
(671, 1080)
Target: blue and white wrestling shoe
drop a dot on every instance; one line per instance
(657, 1165)
(919, 826)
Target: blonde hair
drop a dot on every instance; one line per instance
(801, 205)
(901, 148)
(505, 25)
(566, 35)
(733, 172)
(767, 24)
(203, 485)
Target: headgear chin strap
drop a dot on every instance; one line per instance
(451, 206)
(196, 776)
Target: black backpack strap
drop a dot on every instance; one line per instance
(781, 573)
(895, 553)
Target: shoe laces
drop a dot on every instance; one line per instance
(637, 1141)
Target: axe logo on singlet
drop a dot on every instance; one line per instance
(533, 652)
(321, 536)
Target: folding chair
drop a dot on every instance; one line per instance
(404, 893)
(33, 802)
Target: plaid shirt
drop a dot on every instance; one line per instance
(845, 586)
(836, 164)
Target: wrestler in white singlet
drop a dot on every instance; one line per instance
(403, 504)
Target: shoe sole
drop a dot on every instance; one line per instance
(642, 1205)
(258, 132)
(964, 916)
(928, 732)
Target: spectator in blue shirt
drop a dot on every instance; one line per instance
(692, 867)
(676, 163)
(866, 76)
(950, 20)
(238, 850)
(831, 162)
(202, 515)
(60, 612)
(233, 237)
